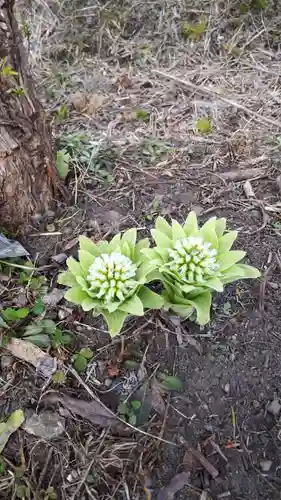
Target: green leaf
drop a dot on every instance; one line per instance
(2, 466)
(220, 226)
(3, 324)
(103, 246)
(150, 300)
(76, 295)
(191, 225)
(10, 426)
(180, 310)
(133, 306)
(202, 304)
(142, 114)
(126, 249)
(170, 382)
(11, 314)
(135, 404)
(62, 163)
(140, 246)
(161, 239)
(114, 321)
(226, 241)
(248, 271)
(177, 231)
(58, 377)
(33, 329)
(89, 246)
(86, 352)
(115, 243)
(67, 278)
(162, 225)
(38, 307)
(204, 125)
(208, 232)
(41, 339)
(130, 237)
(49, 326)
(214, 283)
(88, 304)
(86, 260)
(229, 258)
(133, 419)
(123, 408)
(80, 363)
(193, 31)
(74, 267)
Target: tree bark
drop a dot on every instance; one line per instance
(26, 156)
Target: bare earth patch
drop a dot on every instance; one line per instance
(135, 78)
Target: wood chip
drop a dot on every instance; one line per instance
(206, 464)
(242, 175)
(248, 190)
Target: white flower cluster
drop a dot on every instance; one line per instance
(193, 258)
(111, 277)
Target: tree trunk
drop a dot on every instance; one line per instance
(26, 157)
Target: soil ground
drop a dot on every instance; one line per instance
(131, 79)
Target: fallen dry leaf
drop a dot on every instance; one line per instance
(95, 102)
(32, 354)
(176, 484)
(54, 297)
(93, 411)
(87, 103)
(157, 401)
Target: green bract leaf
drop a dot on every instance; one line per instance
(191, 225)
(89, 246)
(67, 278)
(150, 300)
(161, 239)
(115, 321)
(86, 260)
(162, 225)
(133, 306)
(130, 237)
(228, 259)
(74, 266)
(178, 232)
(76, 295)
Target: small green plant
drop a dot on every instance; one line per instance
(62, 163)
(129, 411)
(6, 70)
(92, 156)
(82, 358)
(17, 91)
(12, 314)
(109, 279)
(193, 262)
(142, 114)
(170, 382)
(156, 149)
(193, 31)
(62, 113)
(45, 333)
(58, 377)
(204, 125)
